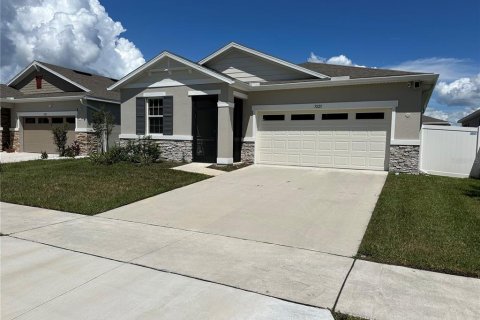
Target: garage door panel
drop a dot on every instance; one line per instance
(342, 144)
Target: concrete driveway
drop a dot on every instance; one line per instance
(317, 209)
(251, 236)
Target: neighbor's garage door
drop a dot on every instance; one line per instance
(334, 139)
(37, 133)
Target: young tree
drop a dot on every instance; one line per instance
(60, 138)
(102, 123)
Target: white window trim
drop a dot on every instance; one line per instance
(148, 116)
(156, 137)
(154, 94)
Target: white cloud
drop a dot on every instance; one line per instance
(450, 69)
(461, 92)
(452, 114)
(340, 59)
(72, 33)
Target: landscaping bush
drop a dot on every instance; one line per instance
(60, 138)
(72, 150)
(141, 151)
(44, 155)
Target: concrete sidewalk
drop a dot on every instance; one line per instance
(42, 282)
(45, 281)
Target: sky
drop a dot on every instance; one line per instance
(113, 37)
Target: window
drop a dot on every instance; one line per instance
(370, 115)
(43, 120)
(335, 116)
(310, 116)
(30, 120)
(57, 120)
(155, 115)
(70, 120)
(273, 117)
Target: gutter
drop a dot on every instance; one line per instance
(347, 82)
(40, 99)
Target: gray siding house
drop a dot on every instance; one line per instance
(43, 95)
(239, 104)
(471, 120)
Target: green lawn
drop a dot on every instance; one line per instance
(82, 187)
(426, 222)
(341, 316)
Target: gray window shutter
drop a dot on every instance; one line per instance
(168, 115)
(140, 116)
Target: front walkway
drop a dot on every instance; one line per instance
(84, 267)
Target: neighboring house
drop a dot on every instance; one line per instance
(472, 120)
(239, 104)
(44, 95)
(434, 121)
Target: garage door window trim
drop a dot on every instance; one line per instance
(302, 117)
(370, 115)
(335, 116)
(273, 117)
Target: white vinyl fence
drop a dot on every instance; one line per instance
(450, 151)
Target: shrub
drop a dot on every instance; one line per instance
(44, 155)
(60, 138)
(141, 151)
(72, 150)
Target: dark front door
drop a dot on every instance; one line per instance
(205, 126)
(237, 129)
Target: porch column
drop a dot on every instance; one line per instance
(225, 127)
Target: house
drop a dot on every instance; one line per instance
(44, 95)
(434, 121)
(471, 120)
(240, 104)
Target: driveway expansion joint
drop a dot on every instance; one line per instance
(230, 237)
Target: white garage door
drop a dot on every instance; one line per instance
(334, 139)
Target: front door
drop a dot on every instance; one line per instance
(205, 127)
(237, 129)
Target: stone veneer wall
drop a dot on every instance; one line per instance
(404, 159)
(15, 140)
(247, 153)
(176, 150)
(87, 141)
(173, 150)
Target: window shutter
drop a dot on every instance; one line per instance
(168, 115)
(140, 116)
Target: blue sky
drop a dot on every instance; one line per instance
(372, 33)
(113, 37)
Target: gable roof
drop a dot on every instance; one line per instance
(6, 91)
(470, 116)
(434, 121)
(94, 85)
(166, 54)
(265, 56)
(334, 70)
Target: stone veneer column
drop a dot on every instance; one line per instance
(15, 140)
(87, 142)
(247, 153)
(404, 159)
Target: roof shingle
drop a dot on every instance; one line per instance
(334, 70)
